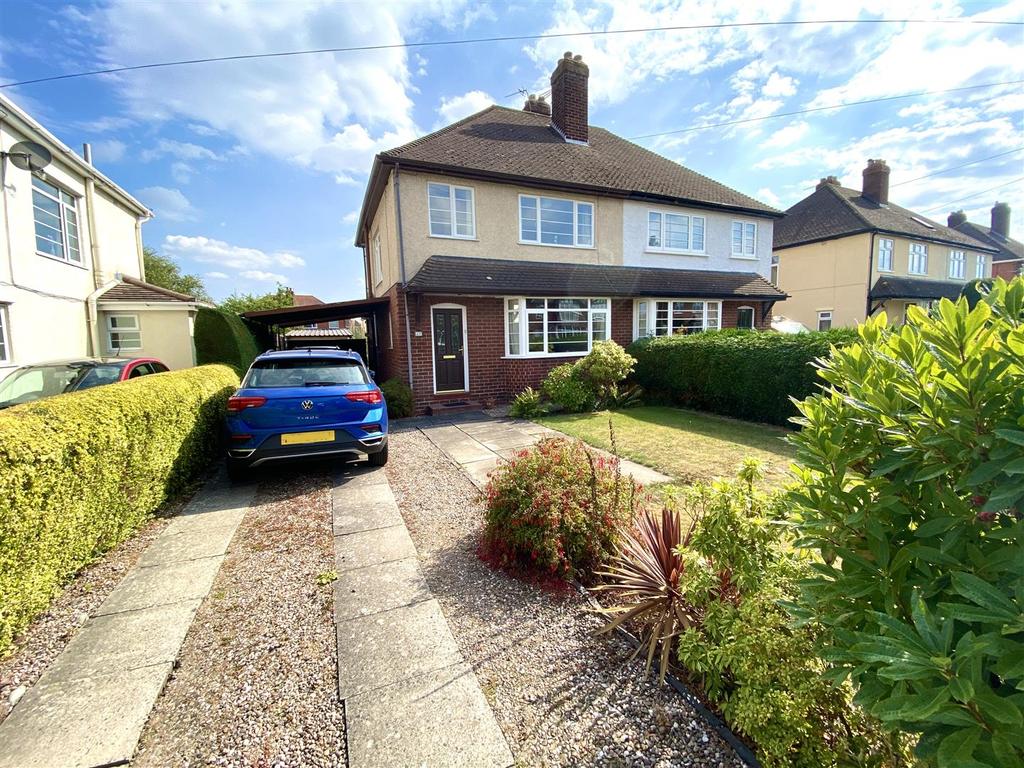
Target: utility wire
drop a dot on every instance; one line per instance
(500, 39)
(955, 167)
(946, 206)
(821, 109)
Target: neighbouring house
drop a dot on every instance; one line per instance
(509, 242)
(1008, 262)
(842, 255)
(72, 278)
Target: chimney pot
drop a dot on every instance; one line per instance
(535, 103)
(828, 181)
(956, 218)
(876, 182)
(1001, 219)
(569, 111)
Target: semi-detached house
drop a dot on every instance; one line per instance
(509, 242)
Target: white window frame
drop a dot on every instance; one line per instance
(957, 259)
(913, 255)
(980, 266)
(465, 349)
(824, 314)
(753, 318)
(648, 306)
(575, 223)
(5, 337)
(451, 207)
(741, 254)
(524, 324)
(773, 270)
(62, 206)
(662, 248)
(111, 330)
(378, 263)
(888, 246)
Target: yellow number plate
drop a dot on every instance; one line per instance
(300, 438)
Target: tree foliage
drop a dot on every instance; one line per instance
(161, 271)
(279, 298)
(912, 492)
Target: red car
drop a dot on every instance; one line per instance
(34, 382)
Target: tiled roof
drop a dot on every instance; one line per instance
(832, 211)
(131, 289)
(304, 300)
(514, 145)
(1009, 249)
(914, 288)
(319, 332)
(456, 274)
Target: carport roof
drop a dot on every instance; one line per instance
(315, 313)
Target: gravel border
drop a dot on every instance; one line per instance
(561, 695)
(256, 679)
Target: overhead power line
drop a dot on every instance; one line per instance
(947, 206)
(500, 39)
(821, 109)
(955, 167)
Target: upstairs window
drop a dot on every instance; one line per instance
(918, 259)
(123, 333)
(982, 264)
(775, 270)
(957, 264)
(55, 213)
(744, 239)
(378, 266)
(452, 212)
(670, 317)
(884, 254)
(555, 221)
(555, 326)
(5, 353)
(675, 232)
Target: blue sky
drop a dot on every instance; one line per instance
(256, 169)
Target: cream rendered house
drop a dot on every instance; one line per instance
(71, 266)
(844, 255)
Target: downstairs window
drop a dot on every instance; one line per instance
(674, 317)
(554, 327)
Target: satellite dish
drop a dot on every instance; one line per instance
(29, 156)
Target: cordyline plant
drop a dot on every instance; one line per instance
(645, 574)
(912, 492)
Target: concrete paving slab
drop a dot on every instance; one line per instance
(162, 584)
(387, 647)
(81, 723)
(484, 426)
(188, 544)
(436, 719)
(364, 548)
(366, 517)
(643, 475)
(479, 471)
(510, 439)
(376, 588)
(124, 641)
(361, 475)
(459, 446)
(202, 519)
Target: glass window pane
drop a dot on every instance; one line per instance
(556, 221)
(750, 239)
(48, 188)
(654, 230)
(714, 312)
(513, 326)
(49, 247)
(528, 218)
(661, 318)
(464, 212)
(697, 241)
(535, 303)
(440, 205)
(42, 202)
(598, 303)
(599, 326)
(687, 317)
(535, 331)
(737, 237)
(677, 231)
(584, 224)
(641, 319)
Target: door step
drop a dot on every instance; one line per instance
(453, 406)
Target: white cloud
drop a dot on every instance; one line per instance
(202, 130)
(108, 151)
(167, 203)
(351, 217)
(766, 194)
(457, 107)
(216, 275)
(786, 136)
(183, 150)
(265, 277)
(207, 250)
(181, 172)
(779, 85)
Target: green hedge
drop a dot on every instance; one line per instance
(80, 472)
(742, 374)
(222, 337)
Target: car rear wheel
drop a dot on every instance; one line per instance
(380, 458)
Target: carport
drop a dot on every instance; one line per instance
(373, 311)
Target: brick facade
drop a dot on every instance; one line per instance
(1007, 269)
(493, 377)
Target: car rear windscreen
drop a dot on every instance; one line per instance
(305, 373)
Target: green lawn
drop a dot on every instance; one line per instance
(687, 445)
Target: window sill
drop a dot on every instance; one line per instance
(62, 261)
(741, 257)
(473, 239)
(545, 356)
(672, 252)
(887, 271)
(556, 245)
(916, 274)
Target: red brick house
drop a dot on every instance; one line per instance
(510, 241)
(1009, 261)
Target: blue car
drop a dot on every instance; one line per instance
(305, 403)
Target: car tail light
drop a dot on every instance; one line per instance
(238, 404)
(371, 396)
(371, 428)
(241, 438)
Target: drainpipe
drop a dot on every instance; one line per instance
(871, 266)
(91, 317)
(401, 264)
(90, 218)
(138, 246)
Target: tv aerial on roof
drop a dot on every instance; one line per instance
(28, 156)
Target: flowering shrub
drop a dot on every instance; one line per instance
(604, 367)
(558, 508)
(567, 390)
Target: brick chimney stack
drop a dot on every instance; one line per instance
(1001, 219)
(876, 182)
(569, 97)
(827, 181)
(956, 218)
(535, 103)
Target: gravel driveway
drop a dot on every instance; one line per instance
(561, 695)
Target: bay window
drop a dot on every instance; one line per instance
(673, 317)
(744, 239)
(554, 326)
(556, 221)
(675, 232)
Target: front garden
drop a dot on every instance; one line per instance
(870, 613)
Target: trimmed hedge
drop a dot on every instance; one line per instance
(222, 337)
(744, 374)
(80, 472)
